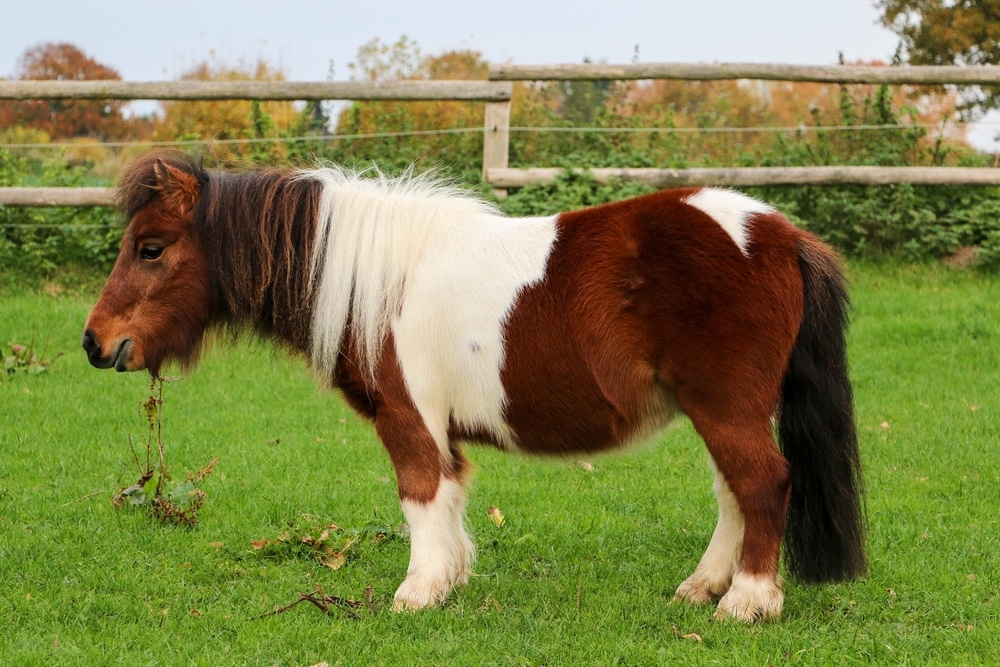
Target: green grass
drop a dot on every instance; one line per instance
(583, 571)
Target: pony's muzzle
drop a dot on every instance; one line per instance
(118, 359)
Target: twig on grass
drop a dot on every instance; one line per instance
(89, 495)
(325, 603)
(368, 599)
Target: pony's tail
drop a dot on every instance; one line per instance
(824, 533)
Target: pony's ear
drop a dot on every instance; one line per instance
(179, 188)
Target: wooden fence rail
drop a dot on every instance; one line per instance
(56, 196)
(472, 91)
(501, 176)
(497, 92)
(914, 75)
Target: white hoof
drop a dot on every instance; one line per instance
(414, 594)
(701, 588)
(752, 598)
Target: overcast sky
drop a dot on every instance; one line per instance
(150, 41)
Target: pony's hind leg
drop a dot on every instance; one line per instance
(754, 476)
(714, 574)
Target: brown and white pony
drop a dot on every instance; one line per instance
(443, 322)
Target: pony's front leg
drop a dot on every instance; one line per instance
(441, 552)
(432, 494)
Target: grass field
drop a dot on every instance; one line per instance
(582, 572)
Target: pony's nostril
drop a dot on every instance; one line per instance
(90, 343)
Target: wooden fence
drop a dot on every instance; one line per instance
(496, 93)
(497, 172)
(490, 92)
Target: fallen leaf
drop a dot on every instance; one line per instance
(690, 636)
(334, 560)
(496, 516)
(585, 465)
(259, 544)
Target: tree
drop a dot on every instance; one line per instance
(230, 121)
(67, 119)
(948, 32)
(423, 129)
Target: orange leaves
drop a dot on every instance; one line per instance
(65, 119)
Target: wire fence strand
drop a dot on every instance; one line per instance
(329, 138)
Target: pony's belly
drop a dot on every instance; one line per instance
(559, 428)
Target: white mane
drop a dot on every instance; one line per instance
(371, 232)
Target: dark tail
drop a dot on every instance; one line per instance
(824, 534)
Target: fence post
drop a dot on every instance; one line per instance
(496, 140)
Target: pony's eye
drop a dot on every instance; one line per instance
(150, 252)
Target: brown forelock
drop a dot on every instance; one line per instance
(138, 183)
(258, 231)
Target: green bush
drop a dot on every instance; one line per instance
(568, 191)
(870, 222)
(38, 244)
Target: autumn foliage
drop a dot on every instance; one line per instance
(224, 124)
(573, 123)
(68, 119)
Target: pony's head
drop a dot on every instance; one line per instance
(158, 300)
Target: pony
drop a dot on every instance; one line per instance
(445, 322)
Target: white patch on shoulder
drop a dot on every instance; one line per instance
(449, 332)
(439, 268)
(731, 209)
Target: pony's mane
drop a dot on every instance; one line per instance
(258, 227)
(371, 233)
